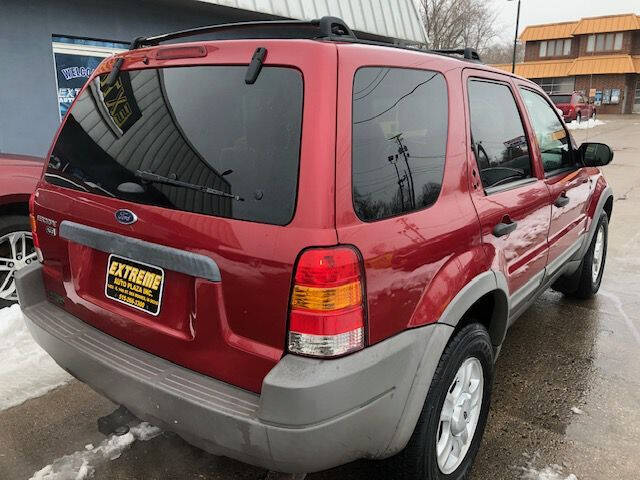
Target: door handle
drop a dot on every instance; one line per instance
(562, 200)
(505, 227)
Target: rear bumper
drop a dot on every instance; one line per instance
(311, 414)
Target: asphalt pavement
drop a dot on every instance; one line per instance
(565, 399)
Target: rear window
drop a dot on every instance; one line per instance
(197, 139)
(561, 99)
(400, 119)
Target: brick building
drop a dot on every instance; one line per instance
(597, 56)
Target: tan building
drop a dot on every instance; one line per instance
(597, 56)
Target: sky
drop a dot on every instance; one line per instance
(533, 12)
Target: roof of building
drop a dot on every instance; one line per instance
(548, 31)
(597, 65)
(399, 19)
(608, 23)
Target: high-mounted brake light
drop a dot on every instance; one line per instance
(34, 226)
(327, 316)
(169, 53)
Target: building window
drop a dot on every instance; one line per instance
(557, 84)
(608, 43)
(604, 42)
(555, 48)
(75, 60)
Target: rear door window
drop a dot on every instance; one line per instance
(400, 120)
(197, 139)
(553, 139)
(499, 141)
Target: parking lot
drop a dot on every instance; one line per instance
(565, 400)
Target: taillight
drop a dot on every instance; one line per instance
(34, 226)
(327, 316)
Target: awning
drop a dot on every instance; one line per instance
(591, 65)
(602, 64)
(398, 19)
(543, 69)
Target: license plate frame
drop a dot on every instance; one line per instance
(141, 289)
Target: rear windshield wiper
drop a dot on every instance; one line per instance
(155, 178)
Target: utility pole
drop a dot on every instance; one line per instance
(393, 159)
(404, 151)
(515, 39)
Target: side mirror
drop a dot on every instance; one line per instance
(595, 154)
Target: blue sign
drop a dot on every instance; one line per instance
(72, 72)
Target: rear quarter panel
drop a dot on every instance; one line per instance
(417, 262)
(18, 182)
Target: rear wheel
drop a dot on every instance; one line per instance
(16, 252)
(449, 430)
(585, 283)
(593, 261)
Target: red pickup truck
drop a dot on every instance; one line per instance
(574, 106)
(298, 248)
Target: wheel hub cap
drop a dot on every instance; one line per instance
(16, 252)
(459, 415)
(598, 255)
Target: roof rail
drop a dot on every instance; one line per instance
(325, 27)
(467, 53)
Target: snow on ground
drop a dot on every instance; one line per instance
(550, 472)
(26, 370)
(82, 464)
(584, 125)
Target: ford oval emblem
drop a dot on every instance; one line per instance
(126, 217)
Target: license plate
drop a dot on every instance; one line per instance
(136, 284)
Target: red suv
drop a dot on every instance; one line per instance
(574, 106)
(298, 252)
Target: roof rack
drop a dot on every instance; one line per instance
(467, 53)
(325, 28)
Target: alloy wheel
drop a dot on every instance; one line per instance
(16, 252)
(598, 254)
(459, 415)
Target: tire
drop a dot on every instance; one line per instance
(471, 346)
(589, 282)
(11, 224)
(593, 115)
(579, 117)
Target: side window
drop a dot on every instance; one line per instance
(400, 120)
(552, 137)
(499, 140)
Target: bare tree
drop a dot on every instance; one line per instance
(459, 23)
(501, 52)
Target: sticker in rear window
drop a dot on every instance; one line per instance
(133, 283)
